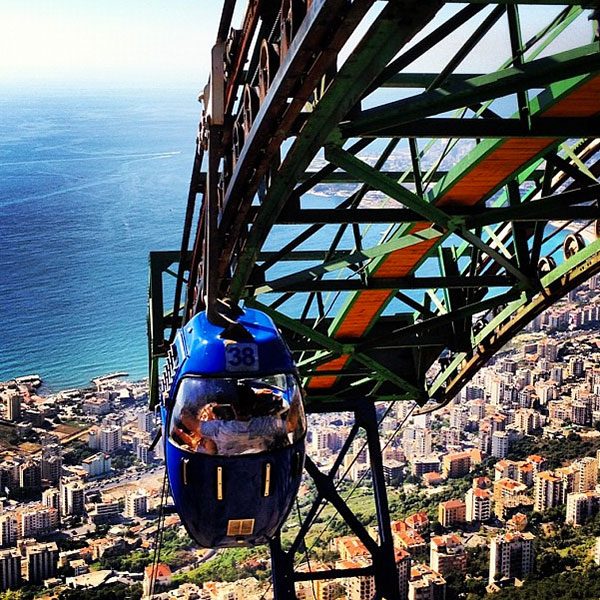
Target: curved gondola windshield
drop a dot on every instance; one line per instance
(237, 416)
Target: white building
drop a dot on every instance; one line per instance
(479, 505)
(109, 438)
(425, 584)
(36, 521)
(500, 443)
(548, 491)
(8, 530)
(96, 465)
(51, 498)
(361, 587)
(10, 569)
(136, 504)
(41, 561)
(96, 406)
(72, 498)
(145, 421)
(511, 555)
(581, 506)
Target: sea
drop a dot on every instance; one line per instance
(90, 182)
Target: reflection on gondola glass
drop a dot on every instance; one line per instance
(229, 417)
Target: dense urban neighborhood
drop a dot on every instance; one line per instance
(496, 493)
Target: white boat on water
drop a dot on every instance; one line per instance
(33, 380)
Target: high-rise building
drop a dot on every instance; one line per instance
(425, 583)
(9, 474)
(104, 512)
(447, 554)
(10, 569)
(423, 444)
(136, 504)
(476, 409)
(452, 512)
(13, 407)
(511, 555)
(548, 491)
(8, 530)
(38, 520)
(576, 366)
(527, 420)
(97, 464)
(146, 421)
(51, 498)
(478, 505)
(581, 506)
(72, 497)
(393, 471)
(457, 418)
(403, 563)
(586, 474)
(361, 587)
(538, 462)
(51, 468)
(40, 562)
(569, 477)
(30, 475)
(144, 454)
(94, 438)
(426, 464)
(500, 442)
(457, 464)
(110, 437)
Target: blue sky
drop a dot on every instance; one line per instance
(107, 41)
(161, 42)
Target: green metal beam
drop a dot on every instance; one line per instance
(353, 258)
(342, 177)
(398, 283)
(409, 331)
(534, 74)
(377, 181)
(557, 207)
(568, 275)
(491, 128)
(528, 2)
(424, 80)
(379, 371)
(389, 32)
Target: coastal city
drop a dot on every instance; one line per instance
(493, 494)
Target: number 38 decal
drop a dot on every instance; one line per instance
(241, 357)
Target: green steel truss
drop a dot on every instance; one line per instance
(328, 150)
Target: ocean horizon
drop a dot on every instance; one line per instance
(92, 181)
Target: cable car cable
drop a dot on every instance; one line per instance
(322, 507)
(395, 432)
(306, 555)
(159, 534)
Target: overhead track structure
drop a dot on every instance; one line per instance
(401, 185)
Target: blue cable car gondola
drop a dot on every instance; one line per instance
(235, 428)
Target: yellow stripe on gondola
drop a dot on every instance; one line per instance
(219, 483)
(267, 488)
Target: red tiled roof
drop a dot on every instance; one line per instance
(452, 504)
(418, 518)
(535, 458)
(353, 546)
(160, 571)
